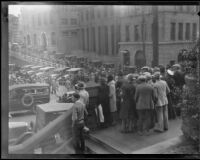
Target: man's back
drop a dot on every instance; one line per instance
(78, 111)
(144, 96)
(162, 90)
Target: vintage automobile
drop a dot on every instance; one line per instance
(24, 97)
(19, 132)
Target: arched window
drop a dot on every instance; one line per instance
(51, 18)
(53, 38)
(28, 40)
(39, 20)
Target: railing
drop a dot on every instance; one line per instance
(61, 124)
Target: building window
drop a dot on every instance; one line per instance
(112, 39)
(127, 33)
(35, 39)
(93, 39)
(45, 20)
(51, 18)
(118, 37)
(136, 31)
(111, 11)
(187, 31)
(98, 13)
(39, 20)
(92, 13)
(64, 21)
(53, 38)
(82, 16)
(87, 15)
(33, 21)
(105, 11)
(65, 33)
(188, 8)
(99, 36)
(173, 32)
(73, 33)
(180, 8)
(83, 39)
(194, 31)
(28, 39)
(106, 39)
(180, 31)
(73, 21)
(88, 39)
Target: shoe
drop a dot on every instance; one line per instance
(166, 129)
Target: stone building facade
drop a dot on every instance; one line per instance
(13, 25)
(107, 31)
(50, 28)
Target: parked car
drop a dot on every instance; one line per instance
(24, 97)
(19, 132)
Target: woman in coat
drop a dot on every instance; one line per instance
(103, 99)
(112, 100)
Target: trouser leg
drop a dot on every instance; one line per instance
(159, 113)
(165, 117)
(140, 120)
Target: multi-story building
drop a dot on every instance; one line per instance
(13, 25)
(113, 33)
(50, 28)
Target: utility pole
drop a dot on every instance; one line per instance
(143, 32)
(155, 35)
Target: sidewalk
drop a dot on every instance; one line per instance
(130, 142)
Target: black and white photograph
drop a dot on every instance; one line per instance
(100, 79)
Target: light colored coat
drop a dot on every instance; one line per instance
(162, 90)
(112, 95)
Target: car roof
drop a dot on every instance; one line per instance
(28, 85)
(74, 69)
(60, 69)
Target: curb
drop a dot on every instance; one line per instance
(160, 147)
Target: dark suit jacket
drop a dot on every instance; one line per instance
(144, 96)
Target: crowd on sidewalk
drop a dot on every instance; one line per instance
(141, 101)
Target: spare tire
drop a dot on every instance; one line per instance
(27, 100)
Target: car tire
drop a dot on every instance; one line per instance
(29, 98)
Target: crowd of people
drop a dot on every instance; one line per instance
(142, 102)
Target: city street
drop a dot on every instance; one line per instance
(127, 78)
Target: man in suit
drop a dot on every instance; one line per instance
(161, 107)
(144, 97)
